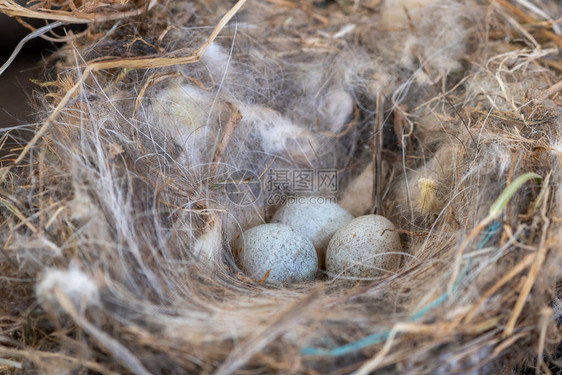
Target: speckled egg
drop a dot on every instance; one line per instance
(361, 249)
(276, 254)
(318, 218)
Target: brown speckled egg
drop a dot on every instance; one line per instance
(276, 254)
(360, 249)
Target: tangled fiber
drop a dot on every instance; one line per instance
(442, 115)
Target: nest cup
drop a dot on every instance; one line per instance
(441, 115)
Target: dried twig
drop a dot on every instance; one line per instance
(233, 121)
(13, 9)
(531, 277)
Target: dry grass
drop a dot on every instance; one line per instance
(477, 290)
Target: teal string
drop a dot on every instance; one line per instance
(489, 233)
(370, 340)
(436, 302)
(379, 337)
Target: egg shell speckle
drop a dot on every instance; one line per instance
(318, 218)
(289, 255)
(360, 249)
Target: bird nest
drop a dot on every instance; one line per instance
(119, 211)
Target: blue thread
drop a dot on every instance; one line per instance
(370, 340)
(489, 233)
(376, 338)
(436, 302)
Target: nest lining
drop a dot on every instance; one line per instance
(117, 230)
